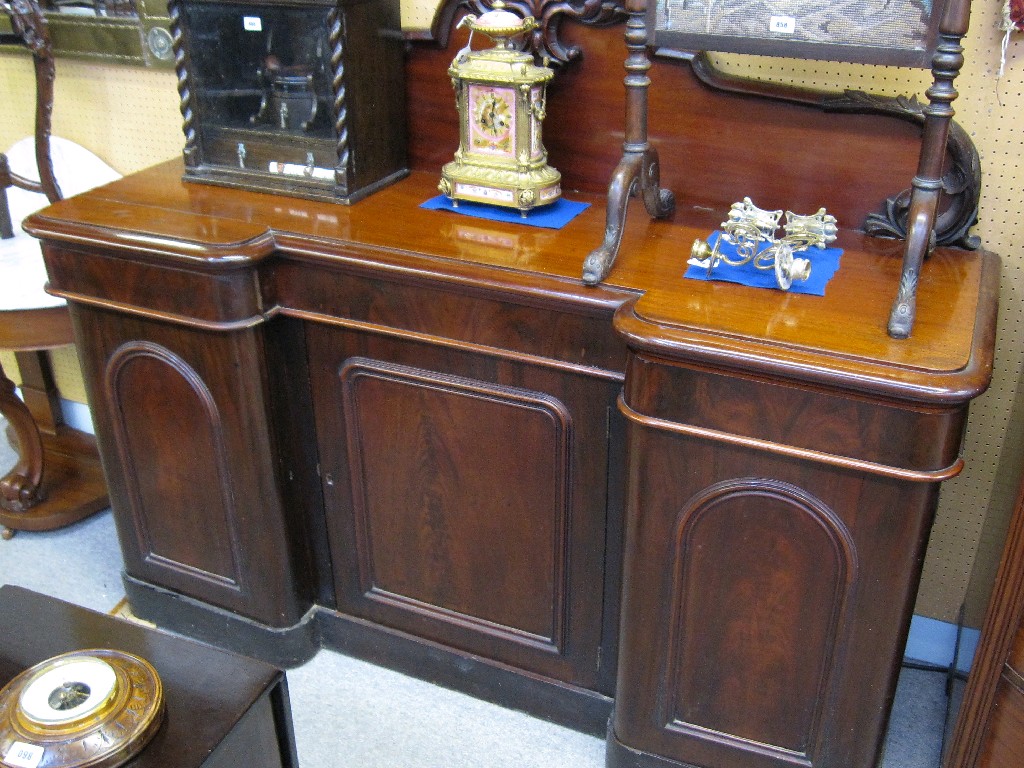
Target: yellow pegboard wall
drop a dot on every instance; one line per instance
(128, 116)
(967, 539)
(417, 14)
(10, 366)
(149, 96)
(998, 422)
(67, 374)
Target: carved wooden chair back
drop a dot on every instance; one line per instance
(31, 31)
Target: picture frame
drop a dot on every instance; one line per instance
(890, 32)
(130, 32)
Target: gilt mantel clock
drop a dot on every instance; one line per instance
(500, 94)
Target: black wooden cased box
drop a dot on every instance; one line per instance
(303, 98)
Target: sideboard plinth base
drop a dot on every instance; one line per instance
(284, 647)
(551, 700)
(618, 755)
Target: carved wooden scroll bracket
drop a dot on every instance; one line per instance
(21, 488)
(961, 181)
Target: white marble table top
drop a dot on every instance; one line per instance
(22, 272)
(23, 275)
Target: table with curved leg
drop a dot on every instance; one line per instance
(72, 486)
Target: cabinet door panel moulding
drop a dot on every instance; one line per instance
(766, 611)
(448, 517)
(144, 372)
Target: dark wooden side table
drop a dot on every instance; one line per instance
(223, 710)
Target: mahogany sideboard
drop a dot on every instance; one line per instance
(417, 437)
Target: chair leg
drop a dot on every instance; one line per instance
(39, 390)
(6, 225)
(21, 488)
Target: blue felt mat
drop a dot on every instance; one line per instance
(824, 264)
(554, 216)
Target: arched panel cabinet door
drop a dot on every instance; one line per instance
(175, 504)
(767, 582)
(762, 573)
(189, 443)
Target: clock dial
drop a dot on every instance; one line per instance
(492, 119)
(493, 115)
(69, 692)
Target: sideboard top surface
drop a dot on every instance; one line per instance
(154, 217)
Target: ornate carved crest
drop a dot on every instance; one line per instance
(545, 41)
(961, 182)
